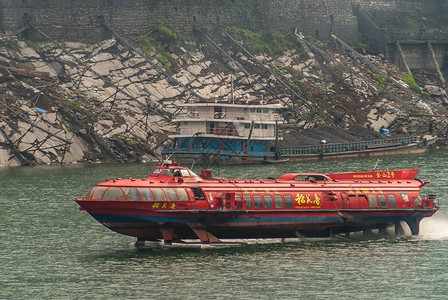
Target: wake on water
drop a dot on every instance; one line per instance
(433, 228)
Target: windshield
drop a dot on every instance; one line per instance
(176, 172)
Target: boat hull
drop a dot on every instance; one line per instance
(174, 203)
(235, 225)
(304, 153)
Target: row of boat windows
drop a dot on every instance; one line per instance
(158, 194)
(269, 201)
(383, 201)
(252, 201)
(256, 126)
(259, 110)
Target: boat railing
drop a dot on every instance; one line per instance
(347, 147)
(229, 116)
(231, 131)
(430, 201)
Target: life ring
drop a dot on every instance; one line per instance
(228, 205)
(217, 115)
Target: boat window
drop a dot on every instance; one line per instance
(265, 110)
(258, 109)
(247, 125)
(248, 200)
(158, 194)
(131, 193)
(198, 195)
(156, 171)
(184, 173)
(310, 178)
(192, 174)
(268, 201)
(237, 197)
(98, 193)
(166, 172)
(392, 200)
(171, 194)
(114, 193)
(256, 126)
(372, 201)
(264, 126)
(252, 109)
(289, 203)
(182, 194)
(417, 201)
(176, 172)
(90, 193)
(258, 203)
(146, 194)
(382, 200)
(278, 201)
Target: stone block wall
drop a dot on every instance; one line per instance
(319, 18)
(380, 22)
(78, 20)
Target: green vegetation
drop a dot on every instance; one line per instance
(381, 79)
(159, 41)
(272, 42)
(426, 95)
(295, 87)
(409, 19)
(411, 82)
(414, 86)
(74, 105)
(248, 12)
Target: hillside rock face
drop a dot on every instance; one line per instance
(105, 102)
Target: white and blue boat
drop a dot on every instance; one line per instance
(227, 132)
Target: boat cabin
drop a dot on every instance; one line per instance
(312, 177)
(171, 169)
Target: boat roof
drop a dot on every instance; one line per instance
(238, 104)
(169, 172)
(408, 174)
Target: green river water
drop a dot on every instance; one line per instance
(51, 250)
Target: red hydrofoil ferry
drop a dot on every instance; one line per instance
(174, 204)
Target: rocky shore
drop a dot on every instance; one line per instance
(72, 102)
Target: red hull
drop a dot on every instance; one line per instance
(174, 206)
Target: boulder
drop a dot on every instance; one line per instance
(435, 90)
